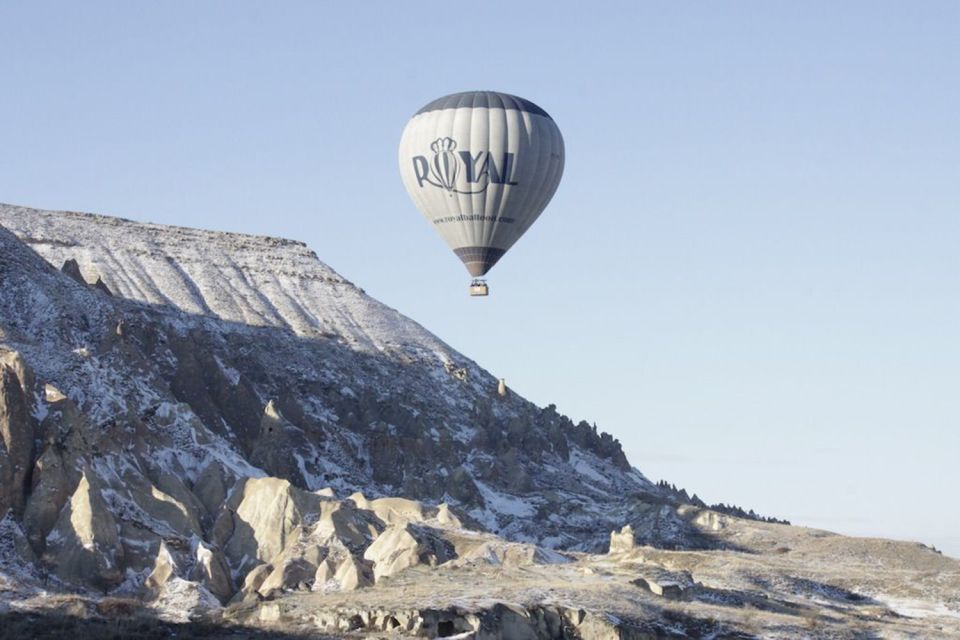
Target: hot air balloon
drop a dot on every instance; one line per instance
(481, 166)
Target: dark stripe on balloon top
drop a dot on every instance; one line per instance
(478, 99)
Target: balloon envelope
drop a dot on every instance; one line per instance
(481, 166)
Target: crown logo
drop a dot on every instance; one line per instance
(446, 164)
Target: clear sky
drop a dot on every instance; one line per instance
(749, 274)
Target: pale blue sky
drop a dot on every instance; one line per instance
(749, 274)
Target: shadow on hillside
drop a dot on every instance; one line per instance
(679, 624)
(56, 625)
(829, 592)
(811, 593)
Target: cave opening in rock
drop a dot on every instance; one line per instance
(355, 622)
(445, 629)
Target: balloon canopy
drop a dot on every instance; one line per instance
(481, 166)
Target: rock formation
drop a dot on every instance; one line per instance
(223, 425)
(16, 431)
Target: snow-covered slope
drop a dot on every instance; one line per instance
(252, 280)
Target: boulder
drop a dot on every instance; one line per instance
(343, 522)
(277, 438)
(192, 508)
(393, 551)
(402, 546)
(264, 512)
(16, 432)
(402, 510)
(622, 541)
(326, 570)
(210, 569)
(72, 269)
(211, 488)
(353, 574)
(164, 570)
(15, 362)
(51, 490)
(288, 576)
(84, 546)
(166, 514)
(205, 586)
(672, 585)
(391, 510)
(447, 517)
(256, 576)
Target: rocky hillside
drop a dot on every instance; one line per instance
(197, 420)
(148, 371)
